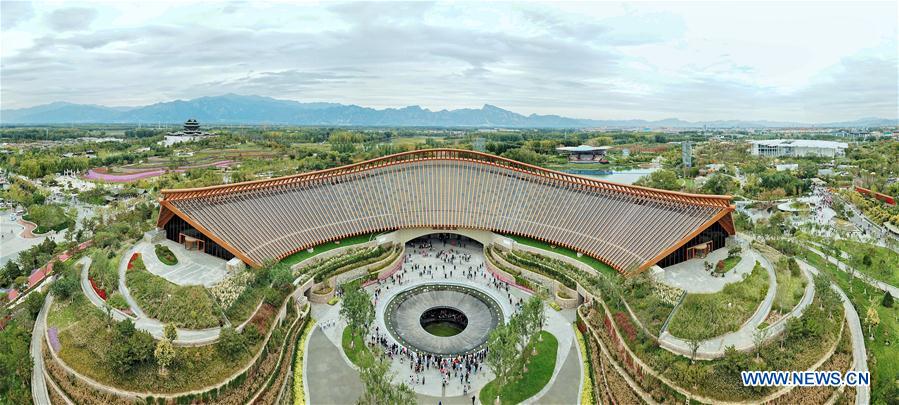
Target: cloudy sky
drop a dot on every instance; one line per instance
(808, 61)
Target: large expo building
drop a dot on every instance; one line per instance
(629, 228)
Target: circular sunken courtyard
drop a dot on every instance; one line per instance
(442, 319)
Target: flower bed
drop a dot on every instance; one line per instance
(228, 290)
(587, 396)
(53, 336)
(299, 397)
(100, 292)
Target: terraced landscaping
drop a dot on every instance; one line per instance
(703, 316)
(188, 307)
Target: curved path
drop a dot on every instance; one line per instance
(893, 290)
(742, 339)
(859, 355)
(186, 337)
(39, 392)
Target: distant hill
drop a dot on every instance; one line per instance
(239, 109)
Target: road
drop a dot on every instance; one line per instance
(38, 383)
(859, 355)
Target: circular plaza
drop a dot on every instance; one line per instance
(442, 319)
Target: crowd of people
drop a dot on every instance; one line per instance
(454, 261)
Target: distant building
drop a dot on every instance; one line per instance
(787, 167)
(798, 148)
(189, 132)
(584, 153)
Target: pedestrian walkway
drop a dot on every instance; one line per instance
(186, 337)
(859, 355)
(893, 290)
(743, 339)
(432, 390)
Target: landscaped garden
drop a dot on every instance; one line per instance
(876, 261)
(305, 254)
(189, 307)
(883, 358)
(165, 255)
(117, 354)
(353, 344)
(48, 218)
(807, 340)
(540, 369)
(790, 281)
(703, 316)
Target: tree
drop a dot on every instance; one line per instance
(523, 155)
(33, 303)
(872, 319)
(165, 354)
(64, 287)
(718, 184)
(170, 331)
(663, 179)
(758, 339)
(502, 353)
(15, 374)
(694, 343)
(231, 342)
(357, 309)
(377, 378)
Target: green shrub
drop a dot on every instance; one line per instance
(165, 255)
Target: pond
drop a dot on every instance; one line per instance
(622, 176)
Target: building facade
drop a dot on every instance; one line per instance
(798, 148)
(628, 227)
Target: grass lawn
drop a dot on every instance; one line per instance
(702, 316)
(354, 352)
(186, 306)
(884, 261)
(789, 288)
(600, 267)
(305, 254)
(883, 359)
(540, 370)
(729, 264)
(443, 329)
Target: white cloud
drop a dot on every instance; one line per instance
(698, 61)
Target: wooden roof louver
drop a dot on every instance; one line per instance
(628, 227)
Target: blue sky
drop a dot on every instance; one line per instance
(806, 61)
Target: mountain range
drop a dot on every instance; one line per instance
(241, 109)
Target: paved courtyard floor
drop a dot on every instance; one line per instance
(692, 277)
(567, 369)
(193, 267)
(11, 240)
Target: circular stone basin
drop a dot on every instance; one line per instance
(442, 319)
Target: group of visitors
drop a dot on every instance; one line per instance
(459, 368)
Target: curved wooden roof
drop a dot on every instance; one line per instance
(446, 188)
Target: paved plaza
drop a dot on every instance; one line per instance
(428, 383)
(193, 267)
(692, 277)
(11, 240)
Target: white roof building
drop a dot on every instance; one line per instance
(798, 148)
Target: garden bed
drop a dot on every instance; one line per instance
(704, 316)
(540, 370)
(186, 306)
(165, 255)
